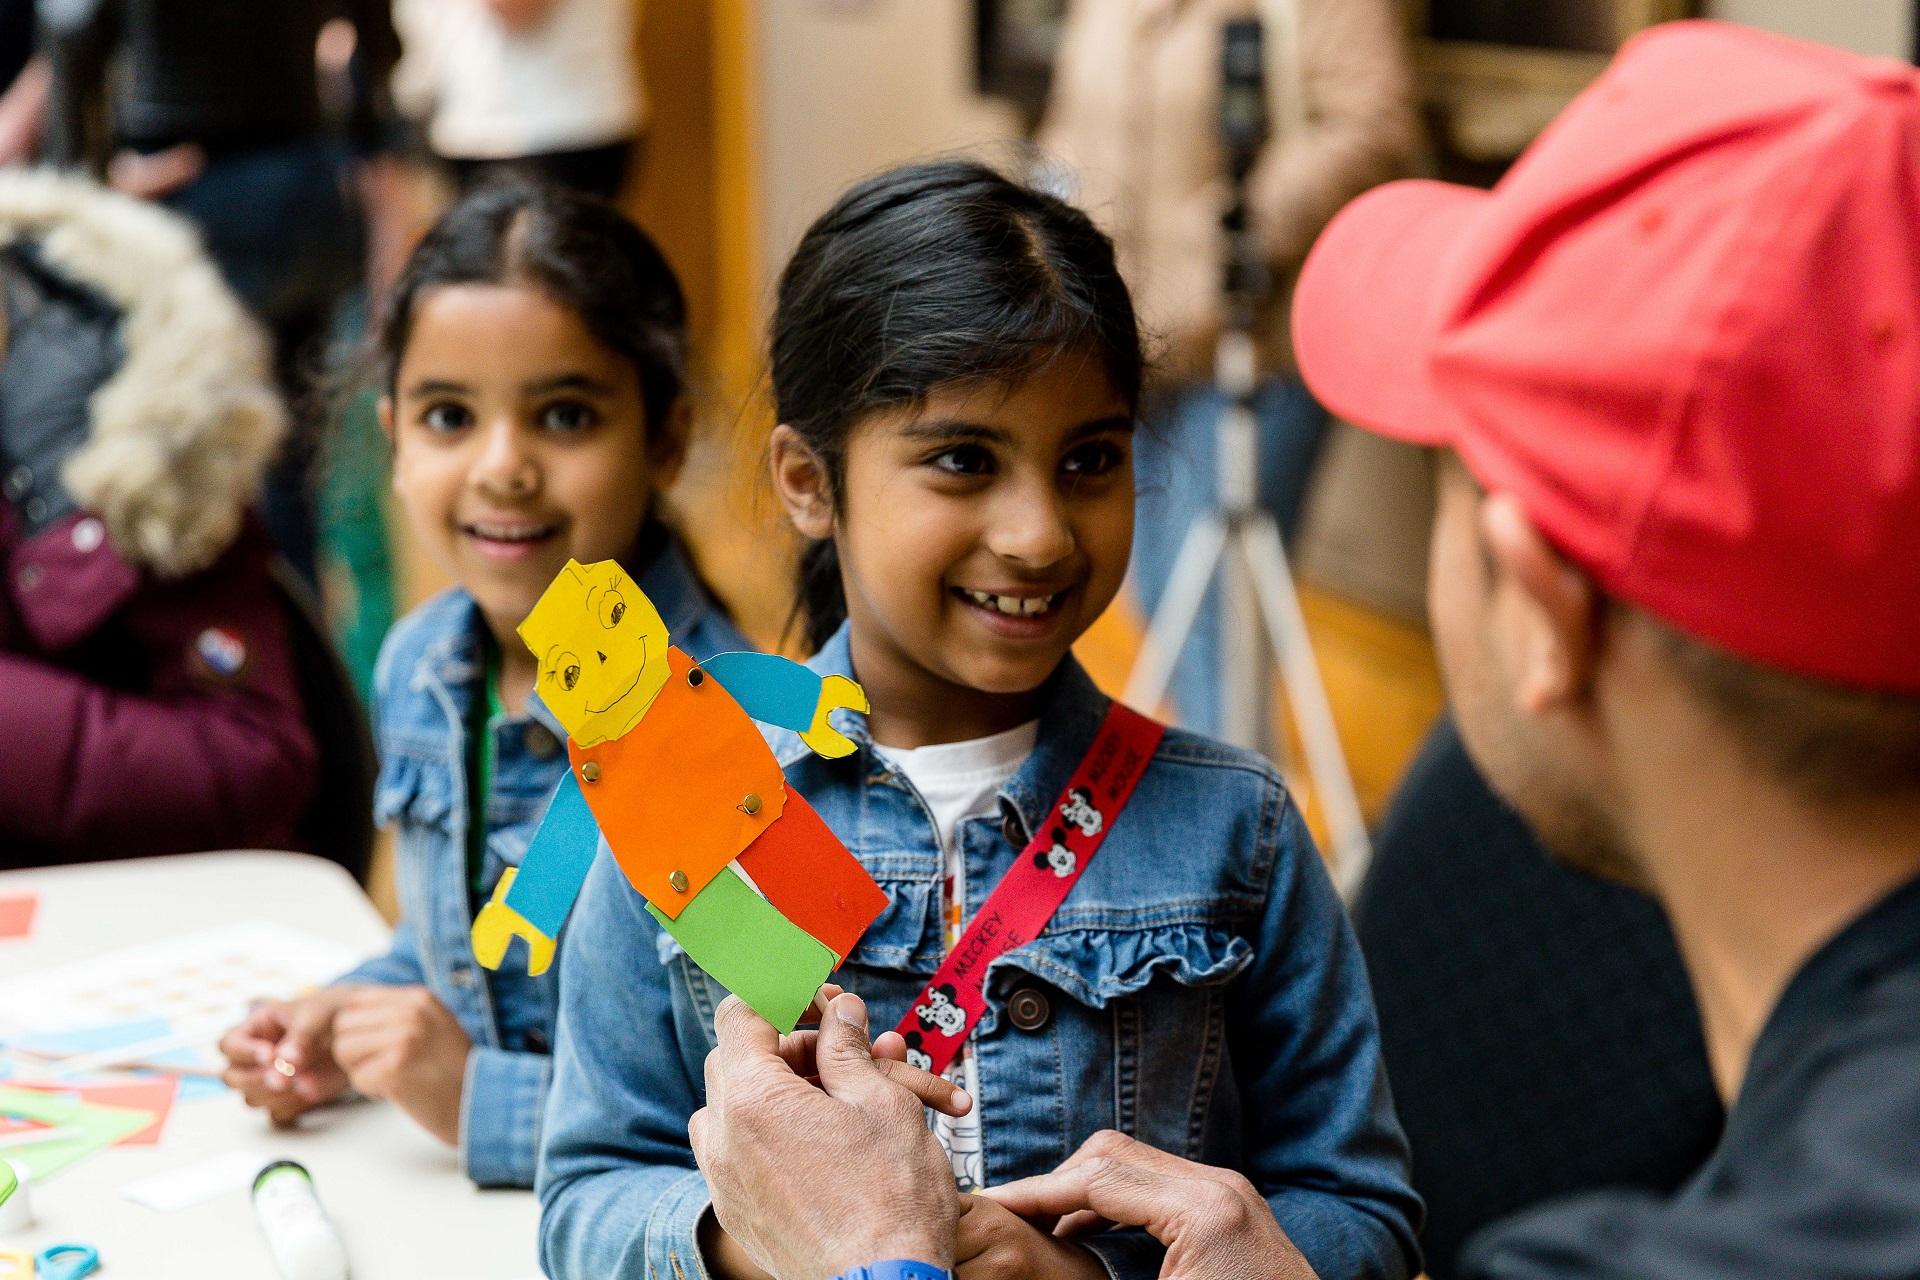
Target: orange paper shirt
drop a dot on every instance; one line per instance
(673, 793)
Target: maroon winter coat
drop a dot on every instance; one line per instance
(148, 698)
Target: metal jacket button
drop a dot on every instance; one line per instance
(1028, 1009)
(1010, 828)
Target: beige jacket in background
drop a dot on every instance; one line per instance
(1134, 117)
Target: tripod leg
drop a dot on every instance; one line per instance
(1167, 634)
(1326, 762)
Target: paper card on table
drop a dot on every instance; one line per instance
(743, 942)
(16, 914)
(602, 650)
(804, 870)
(79, 1052)
(556, 861)
(199, 982)
(152, 1094)
(686, 790)
(182, 1188)
(85, 1128)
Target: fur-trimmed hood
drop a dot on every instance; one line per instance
(182, 432)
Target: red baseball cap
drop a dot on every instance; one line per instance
(1684, 331)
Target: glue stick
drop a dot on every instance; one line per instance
(16, 1204)
(299, 1235)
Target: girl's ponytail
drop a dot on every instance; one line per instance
(933, 275)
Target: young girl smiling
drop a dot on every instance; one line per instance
(956, 371)
(533, 357)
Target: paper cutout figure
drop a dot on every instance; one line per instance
(668, 768)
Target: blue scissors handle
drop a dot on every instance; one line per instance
(68, 1261)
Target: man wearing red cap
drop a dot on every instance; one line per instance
(1672, 367)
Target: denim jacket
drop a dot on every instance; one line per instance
(428, 674)
(1199, 989)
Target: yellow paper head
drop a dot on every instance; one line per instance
(602, 649)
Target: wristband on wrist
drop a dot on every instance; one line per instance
(897, 1269)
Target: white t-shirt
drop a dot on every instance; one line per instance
(960, 780)
(568, 83)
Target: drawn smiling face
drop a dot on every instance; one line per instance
(602, 648)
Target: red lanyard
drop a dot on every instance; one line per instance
(1033, 888)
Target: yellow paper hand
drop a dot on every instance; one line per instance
(836, 692)
(499, 924)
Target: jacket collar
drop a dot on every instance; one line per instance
(1072, 708)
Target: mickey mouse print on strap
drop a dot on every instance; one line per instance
(1034, 887)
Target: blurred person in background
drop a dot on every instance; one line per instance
(218, 109)
(151, 696)
(545, 88)
(23, 83)
(1133, 123)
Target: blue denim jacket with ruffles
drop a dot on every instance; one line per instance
(1199, 989)
(425, 684)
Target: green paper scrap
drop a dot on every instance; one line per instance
(99, 1127)
(743, 942)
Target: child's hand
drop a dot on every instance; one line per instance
(280, 1057)
(994, 1244)
(401, 1044)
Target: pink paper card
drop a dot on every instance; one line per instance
(16, 914)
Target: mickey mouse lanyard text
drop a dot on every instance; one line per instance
(1034, 887)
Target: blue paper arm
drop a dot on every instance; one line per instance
(777, 690)
(532, 902)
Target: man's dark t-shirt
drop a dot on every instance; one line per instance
(1818, 1174)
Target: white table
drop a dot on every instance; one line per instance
(396, 1195)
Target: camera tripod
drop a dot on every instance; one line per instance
(1237, 544)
